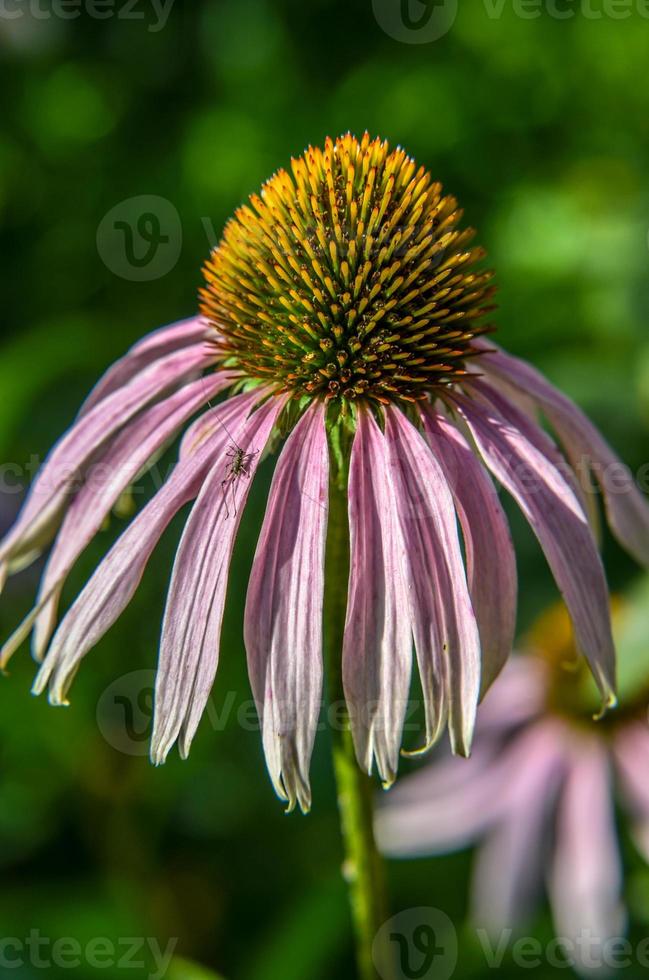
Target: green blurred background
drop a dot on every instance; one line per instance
(539, 126)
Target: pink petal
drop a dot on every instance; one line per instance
(586, 877)
(43, 509)
(490, 557)
(627, 509)
(283, 620)
(512, 449)
(450, 803)
(125, 457)
(377, 650)
(444, 624)
(147, 351)
(509, 866)
(191, 630)
(114, 582)
(520, 695)
(203, 428)
(446, 805)
(631, 749)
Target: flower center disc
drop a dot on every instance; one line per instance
(348, 278)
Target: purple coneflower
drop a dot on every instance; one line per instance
(343, 310)
(539, 794)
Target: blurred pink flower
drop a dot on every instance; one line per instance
(374, 349)
(538, 794)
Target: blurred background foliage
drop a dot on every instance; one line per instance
(540, 128)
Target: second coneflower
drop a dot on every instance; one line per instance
(343, 310)
(540, 791)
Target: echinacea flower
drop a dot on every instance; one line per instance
(342, 309)
(538, 794)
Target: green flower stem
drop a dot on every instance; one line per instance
(363, 869)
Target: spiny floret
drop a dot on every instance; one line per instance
(348, 278)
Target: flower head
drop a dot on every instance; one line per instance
(342, 311)
(349, 279)
(539, 795)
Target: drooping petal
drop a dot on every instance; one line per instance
(490, 557)
(586, 875)
(191, 631)
(512, 449)
(509, 867)
(627, 510)
(115, 580)
(66, 463)
(202, 428)
(571, 464)
(125, 457)
(377, 647)
(631, 748)
(147, 351)
(283, 619)
(444, 624)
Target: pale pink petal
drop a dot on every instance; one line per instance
(377, 647)
(446, 805)
(114, 582)
(191, 632)
(490, 557)
(511, 449)
(67, 462)
(520, 695)
(203, 427)
(571, 464)
(631, 749)
(450, 803)
(509, 865)
(627, 509)
(586, 876)
(283, 619)
(444, 624)
(147, 351)
(124, 459)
